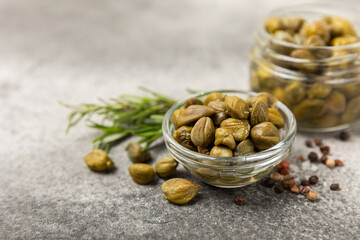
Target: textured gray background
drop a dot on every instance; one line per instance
(76, 51)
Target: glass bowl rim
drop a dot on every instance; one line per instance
(258, 157)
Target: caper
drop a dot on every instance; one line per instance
(352, 110)
(326, 121)
(142, 173)
(284, 36)
(292, 24)
(336, 103)
(265, 135)
(203, 150)
(302, 54)
(136, 153)
(317, 28)
(218, 118)
(351, 90)
(193, 113)
(236, 107)
(179, 191)
(319, 90)
(183, 137)
(340, 27)
(276, 118)
(166, 166)
(208, 173)
(213, 97)
(193, 101)
(203, 132)
(220, 151)
(314, 40)
(98, 160)
(309, 109)
(244, 148)
(224, 137)
(259, 113)
(273, 24)
(240, 129)
(218, 106)
(294, 93)
(344, 40)
(279, 93)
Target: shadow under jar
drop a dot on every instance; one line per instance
(230, 172)
(319, 83)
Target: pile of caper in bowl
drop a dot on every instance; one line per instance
(229, 138)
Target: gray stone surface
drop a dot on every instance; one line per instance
(76, 51)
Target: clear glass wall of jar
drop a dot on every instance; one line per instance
(323, 91)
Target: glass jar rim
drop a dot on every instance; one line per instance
(258, 157)
(297, 8)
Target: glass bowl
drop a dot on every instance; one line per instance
(230, 172)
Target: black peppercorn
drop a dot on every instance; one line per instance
(313, 180)
(279, 188)
(344, 136)
(313, 157)
(318, 141)
(334, 186)
(305, 183)
(308, 143)
(325, 150)
(323, 159)
(239, 200)
(268, 182)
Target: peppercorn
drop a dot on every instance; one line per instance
(286, 184)
(344, 136)
(284, 171)
(318, 141)
(239, 200)
(313, 157)
(313, 180)
(288, 177)
(305, 182)
(294, 188)
(301, 158)
(308, 143)
(304, 189)
(284, 164)
(268, 182)
(325, 150)
(311, 195)
(323, 159)
(276, 177)
(330, 163)
(339, 163)
(279, 188)
(334, 186)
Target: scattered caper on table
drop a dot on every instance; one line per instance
(98, 160)
(179, 190)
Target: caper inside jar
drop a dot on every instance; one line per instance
(250, 125)
(311, 66)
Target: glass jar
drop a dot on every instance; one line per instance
(323, 90)
(230, 172)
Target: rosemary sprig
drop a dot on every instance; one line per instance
(127, 115)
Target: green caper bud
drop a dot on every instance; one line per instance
(302, 54)
(224, 137)
(326, 121)
(341, 27)
(319, 90)
(142, 173)
(244, 148)
(136, 153)
(179, 191)
(218, 106)
(98, 160)
(208, 173)
(192, 114)
(294, 93)
(218, 118)
(352, 110)
(183, 137)
(236, 107)
(276, 118)
(309, 109)
(344, 40)
(240, 129)
(336, 103)
(259, 113)
(219, 151)
(284, 36)
(203, 132)
(213, 97)
(314, 40)
(265, 135)
(273, 24)
(317, 28)
(203, 150)
(166, 167)
(193, 101)
(292, 24)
